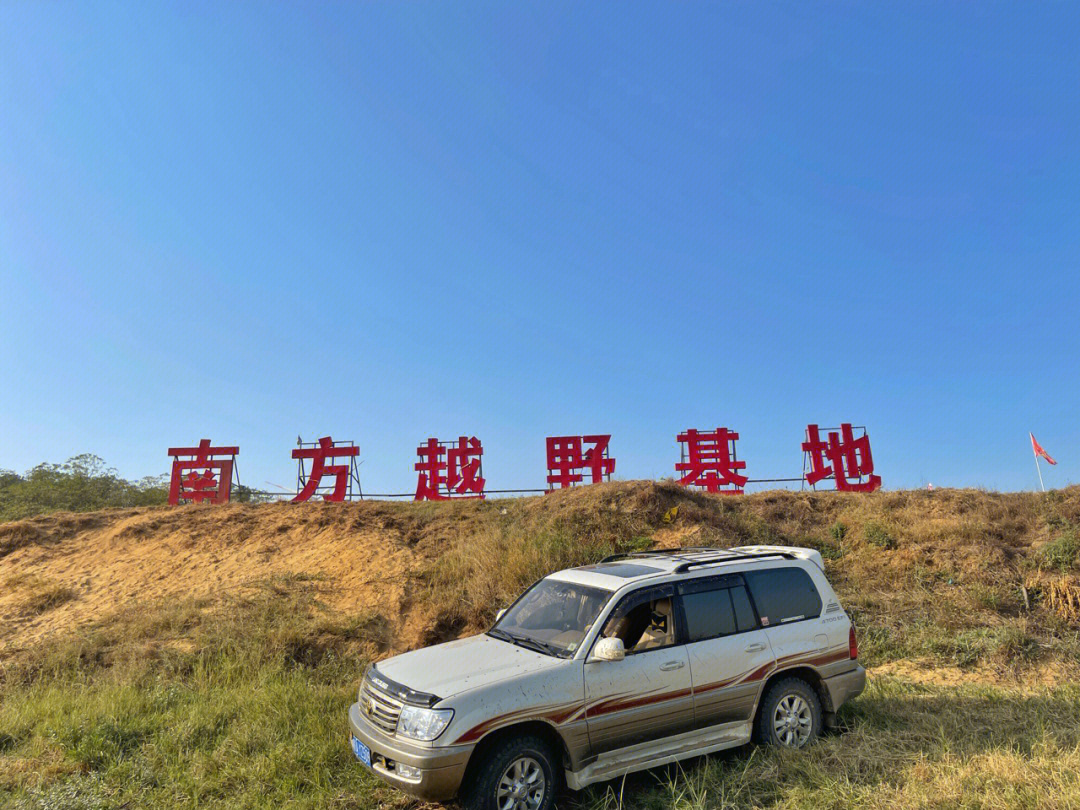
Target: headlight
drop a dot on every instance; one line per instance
(423, 724)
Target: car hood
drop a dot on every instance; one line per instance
(468, 663)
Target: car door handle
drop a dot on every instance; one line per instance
(757, 646)
(670, 665)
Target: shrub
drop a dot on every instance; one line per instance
(877, 535)
(827, 550)
(1062, 552)
(635, 544)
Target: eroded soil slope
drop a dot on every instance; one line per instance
(64, 571)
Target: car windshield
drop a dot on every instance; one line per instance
(551, 617)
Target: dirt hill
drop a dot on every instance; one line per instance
(961, 577)
(204, 656)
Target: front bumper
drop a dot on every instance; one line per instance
(441, 768)
(846, 686)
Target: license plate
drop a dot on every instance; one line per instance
(363, 753)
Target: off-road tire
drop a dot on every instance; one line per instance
(482, 786)
(794, 693)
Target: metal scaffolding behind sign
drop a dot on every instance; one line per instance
(336, 482)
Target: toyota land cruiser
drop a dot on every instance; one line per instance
(637, 661)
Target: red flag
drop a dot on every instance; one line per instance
(1036, 448)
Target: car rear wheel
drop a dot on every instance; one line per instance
(517, 773)
(790, 714)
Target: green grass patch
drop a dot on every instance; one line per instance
(1063, 551)
(243, 706)
(246, 709)
(877, 535)
(237, 735)
(838, 531)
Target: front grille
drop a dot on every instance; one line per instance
(379, 707)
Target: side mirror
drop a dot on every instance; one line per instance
(609, 649)
(500, 614)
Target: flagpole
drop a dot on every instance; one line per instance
(1037, 467)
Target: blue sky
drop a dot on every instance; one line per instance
(248, 221)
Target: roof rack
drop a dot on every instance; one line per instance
(741, 555)
(702, 556)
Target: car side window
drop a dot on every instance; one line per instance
(783, 595)
(644, 620)
(709, 614)
(716, 607)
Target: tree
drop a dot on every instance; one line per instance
(82, 483)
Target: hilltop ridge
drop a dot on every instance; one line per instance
(965, 576)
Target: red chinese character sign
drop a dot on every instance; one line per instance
(709, 461)
(310, 483)
(200, 474)
(568, 459)
(449, 469)
(844, 457)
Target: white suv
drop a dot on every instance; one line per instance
(637, 661)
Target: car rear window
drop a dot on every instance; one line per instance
(783, 595)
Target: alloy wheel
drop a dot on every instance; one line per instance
(792, 721)
(522, 785)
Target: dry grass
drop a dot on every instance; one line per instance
(939, 575)
(1060, 592)
(36, 594)
(904, 745)
(929, 575)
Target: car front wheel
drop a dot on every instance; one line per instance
(517, 773)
